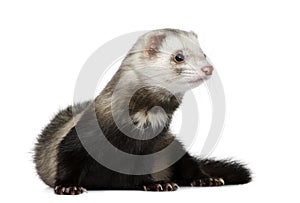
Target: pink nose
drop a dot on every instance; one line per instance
(207, 70)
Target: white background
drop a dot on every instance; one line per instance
(253, 44)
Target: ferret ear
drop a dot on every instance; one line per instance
(153, 42)
(194, 34)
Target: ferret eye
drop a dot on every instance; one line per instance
(204, 55)
(179, 58)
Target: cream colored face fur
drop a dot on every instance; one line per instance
(154, 60)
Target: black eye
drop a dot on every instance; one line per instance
(204, 55)
(179, 58)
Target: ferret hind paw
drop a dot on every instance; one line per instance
(60, 190)
(208, 182)
(161, 187)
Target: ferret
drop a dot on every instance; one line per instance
(134, 112)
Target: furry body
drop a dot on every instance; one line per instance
(152, 75)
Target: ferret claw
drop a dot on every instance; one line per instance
(161, 187)
(69, 190)
(207, 182)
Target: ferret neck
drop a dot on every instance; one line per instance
(149, 97)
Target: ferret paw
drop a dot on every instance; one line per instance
(60, 190)
(207, 182)
(160, 187)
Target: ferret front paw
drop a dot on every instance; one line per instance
(206, 182)
(160, 187)
(60, 190)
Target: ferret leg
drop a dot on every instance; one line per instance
(67, 180)
(187, 172)
(70, 164)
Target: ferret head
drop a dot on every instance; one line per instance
(169, 58)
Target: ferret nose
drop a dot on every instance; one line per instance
(207, 70)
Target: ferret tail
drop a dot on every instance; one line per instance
(233, 172)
